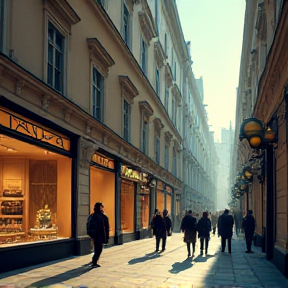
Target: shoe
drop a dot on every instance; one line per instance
(188, 255)
(201, 252)
(157, 250)
(94, 265)
(249, 251)
(162, 250)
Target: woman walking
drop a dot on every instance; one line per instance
(204, 228)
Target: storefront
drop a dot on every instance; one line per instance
(102, 187)
(135, 204)
(164, 197)
(36, 193)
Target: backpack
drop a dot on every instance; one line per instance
(91, 225)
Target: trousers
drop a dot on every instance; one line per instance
(223, 243)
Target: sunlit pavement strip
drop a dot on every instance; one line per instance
(134, 264)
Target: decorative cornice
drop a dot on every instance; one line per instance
(99, 56)
(128, 88)
(158, 124)
(177, 94)
(62, 10)
(46, 101)
(168, 75)
(147, 23)
(159, 54)
(168, 136)
(19, 87)
(146, 108)
(261, 22)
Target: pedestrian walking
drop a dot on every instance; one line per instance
(98, 230)
(204, 228)
(214, 221)
(248, 226)
(159, 230)
(225, 229)
(188, 226)
(237, 221)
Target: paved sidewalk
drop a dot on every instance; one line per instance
(135, 265)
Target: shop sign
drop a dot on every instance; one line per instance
(33, 130)
(103, 161)
(130, 173)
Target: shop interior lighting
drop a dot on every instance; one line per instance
(9, 149)
(49, 152)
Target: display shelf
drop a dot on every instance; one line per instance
(11, 216)
(11, 234)
(12, 198)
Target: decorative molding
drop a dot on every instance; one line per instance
(129, 91)
(63, 11)
(99, 56)
(147, 23)
(168, 137)
(158, 125)
(177, 94)
(67, 114)
(168, 75)
(88, 128)
(46, 101)
(19, 87)
(86, 152)
(261, 22)
(159, 54)
(146, 108)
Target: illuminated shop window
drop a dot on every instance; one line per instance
(160, 200)
(35, 193)
(145, 196)
(127, 206)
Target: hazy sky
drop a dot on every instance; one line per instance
(215, 29)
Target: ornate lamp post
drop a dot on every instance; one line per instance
(262, 137)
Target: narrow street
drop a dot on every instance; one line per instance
(134, 264)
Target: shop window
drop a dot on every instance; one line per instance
(168, 203)
(127, 206)
(102, 189)
(35, 193)
(55, 61)
(160, 200)
(97, 94)
(145, 202)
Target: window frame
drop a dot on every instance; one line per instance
(157, 149)
(166, 157)
(157, 82)
(101, 90)
(143, 54)
(4, 6)
(174, 161)
(127, 116)
(128, 25)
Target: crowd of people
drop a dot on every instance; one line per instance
(193, 228)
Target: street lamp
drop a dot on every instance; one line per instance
(260, 136)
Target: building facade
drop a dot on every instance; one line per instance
(262, 95)
(92, 110)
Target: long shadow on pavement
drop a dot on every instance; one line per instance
(62, 277)
(147, 257)
(200, 258)
(181, 266)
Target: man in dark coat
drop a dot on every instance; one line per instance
(159, 230)
(168, 227)
(225, 229)
(248, 226)
(204, 228)
(188, 226)
(101, 234)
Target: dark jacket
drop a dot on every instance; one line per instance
(188, 226)
(248, 225)
(204, 227)
(225, 225)
(102, 230)
(168, 223)
(158, 224)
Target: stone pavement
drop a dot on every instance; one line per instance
(134, 264)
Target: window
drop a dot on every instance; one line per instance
(166, 157)
(55, 67)
(1, 25)
(174, 168)
(173, 111)
(145, 133)
(143, 56)
(126, 120)
(166, 45)
(157, 150)
(126, 25)
(157, 83)
(157, 16)
(127, 206)
(166, 97)
(175, 71)
(97, 94)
